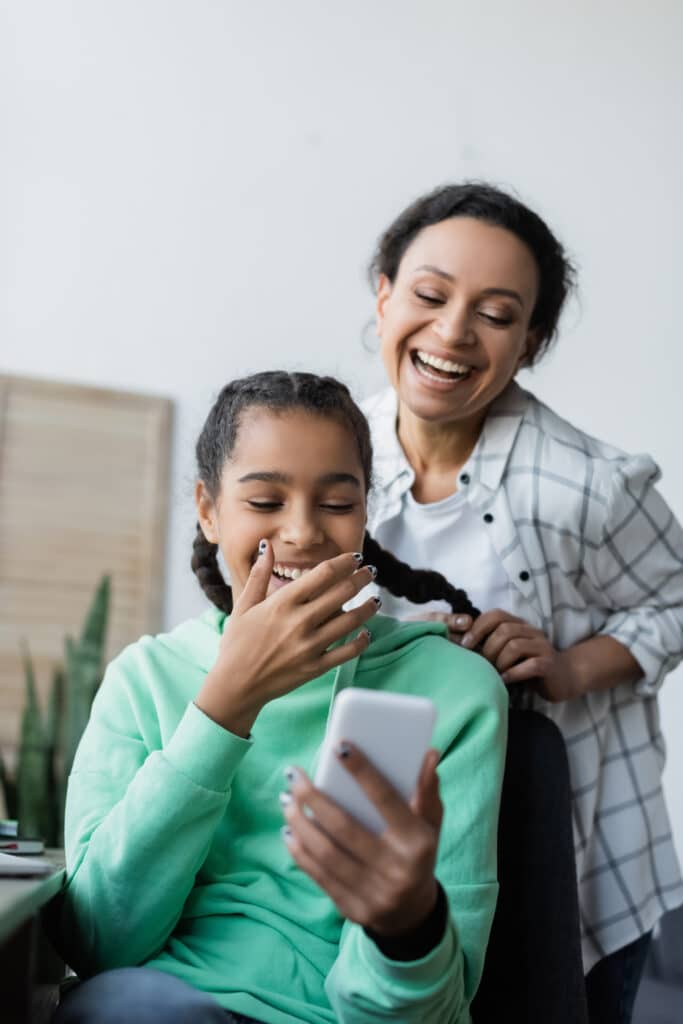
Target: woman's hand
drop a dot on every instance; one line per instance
(522, 653)
(455, 624)
(383, 882)
(272, 644)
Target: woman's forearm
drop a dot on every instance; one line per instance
(599, 664)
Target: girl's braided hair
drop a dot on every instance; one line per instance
(280, 391)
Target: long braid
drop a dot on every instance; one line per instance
(206, 569)
(418, 585)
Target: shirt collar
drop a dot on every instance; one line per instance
(489, 458)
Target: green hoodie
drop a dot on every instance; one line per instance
(174, 853)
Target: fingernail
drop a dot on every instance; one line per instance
(262, 545)
(378, 601)
(285, 798)
(343, 750)
(358, 556)
(291, 774)
(372, 569)
(466, 640)
(460, 620)
(286, 833)
(367, 633)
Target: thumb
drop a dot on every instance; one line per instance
(458, 623)
(256, 587)
(426, 801)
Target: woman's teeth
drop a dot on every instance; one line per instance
(287, 573)
(444, 367)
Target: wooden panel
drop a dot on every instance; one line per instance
(83, 491)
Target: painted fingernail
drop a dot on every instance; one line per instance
(358, 556)
(378, 601)
(262, 545)
(467, 640)
(286, 833)
(291, 774)
(343, 750)
(372, 569)
(285, 798)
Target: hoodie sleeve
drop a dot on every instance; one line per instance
(139, 823)
(365, 987)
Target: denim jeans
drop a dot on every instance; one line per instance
(142, 995)
(612, 985)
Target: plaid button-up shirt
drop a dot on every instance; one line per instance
(594, 549)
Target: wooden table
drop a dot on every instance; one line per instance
(29, 968)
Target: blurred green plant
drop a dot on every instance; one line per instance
(37, 793)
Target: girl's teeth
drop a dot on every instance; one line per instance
(287, 573)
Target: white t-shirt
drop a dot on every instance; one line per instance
(447, 536)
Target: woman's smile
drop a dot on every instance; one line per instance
(439, 371)
(454, 324)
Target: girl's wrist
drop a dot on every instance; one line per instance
(412, 916)
(226, 704)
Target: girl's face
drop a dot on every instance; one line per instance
(294, 479)
(454, 325)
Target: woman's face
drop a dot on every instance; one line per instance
(454, 324)
(294, 479)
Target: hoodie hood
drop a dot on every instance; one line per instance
(197, 640)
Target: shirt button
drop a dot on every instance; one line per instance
(524, 576)
(488, 518)
(464, 478)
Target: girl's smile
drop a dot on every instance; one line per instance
(307, 500)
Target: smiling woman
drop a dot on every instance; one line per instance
(561, 539)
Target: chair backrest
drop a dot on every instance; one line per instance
(533, 970)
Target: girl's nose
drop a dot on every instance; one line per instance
(303, 531)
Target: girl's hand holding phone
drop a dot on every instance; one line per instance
(272, 644)
(383, 882)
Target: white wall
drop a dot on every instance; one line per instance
(190, 190)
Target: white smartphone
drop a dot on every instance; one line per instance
(392, 729)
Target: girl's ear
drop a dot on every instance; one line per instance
(206, 512)
(383, 293)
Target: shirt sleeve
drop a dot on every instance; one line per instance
(139, 825)
(639, 568)
(364, 986)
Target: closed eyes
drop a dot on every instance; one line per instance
(272, 506)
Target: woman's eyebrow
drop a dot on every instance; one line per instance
(511, 294)
(431, 269)
(434, 270)
(275, 477)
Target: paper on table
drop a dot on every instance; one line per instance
(26, 866)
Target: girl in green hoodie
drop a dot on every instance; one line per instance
(186, 896)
